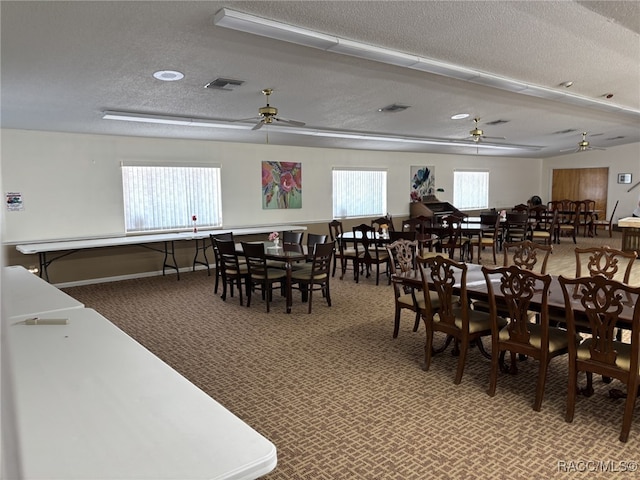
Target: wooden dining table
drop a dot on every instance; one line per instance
(286, 253)
(477, 289)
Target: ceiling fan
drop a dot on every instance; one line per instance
(477, 135)
(268, 114)
(583, 145)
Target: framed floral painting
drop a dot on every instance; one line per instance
(281, 185)
(423, 182)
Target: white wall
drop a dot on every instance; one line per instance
(72, 188)
(623, 159)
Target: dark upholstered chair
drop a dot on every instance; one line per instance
(261, 276)
(606, 304)
(453, 315)
(233, 271)
(316, 276)
(514, 288)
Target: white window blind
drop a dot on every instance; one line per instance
(159, 198)
(359, 192)
(471, 189)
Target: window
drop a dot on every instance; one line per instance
(470, 189)
(359, 192)
(159, 198)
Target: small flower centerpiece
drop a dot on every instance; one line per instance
(275, 238)
(384, 230)
(194, 219)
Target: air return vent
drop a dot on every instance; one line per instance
(396, 107)
(223, 84)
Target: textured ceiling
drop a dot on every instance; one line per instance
(64, 63)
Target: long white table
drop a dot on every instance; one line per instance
(89, 402)
(147, 241)
(25, 295)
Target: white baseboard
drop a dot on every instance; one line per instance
(131, 276)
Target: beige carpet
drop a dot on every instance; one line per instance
(341, 399)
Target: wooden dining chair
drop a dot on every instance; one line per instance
(517, 227)
(402, 255)
(608, 224)
(606, 304)
(344, 252)
(260, 275)
(317, 276)
(568, 221)
(216, 254)
(451, 238)
(545, 228)
(312, 240)
(587, 209)
(369, 253)
(379, 223)
(515, 288)
(233, 271)
(452, 316)
(489, 236)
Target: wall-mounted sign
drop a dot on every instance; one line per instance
(624, 178)
(14, 201)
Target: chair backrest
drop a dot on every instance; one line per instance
(610, 262)
(607, 304)
(440, 274)
(228, 256)
(256, 260)
(538, 212)
(451, 233)
(379, 223)
(517, 225)
(219, 236)
(521, 207)
(488, 219)
(322, 253)
(527, 255)
(335, 229)
(292, 237)
(364, 242)
(313, 239)
(516, 288)
(416, 224)
(403, 255)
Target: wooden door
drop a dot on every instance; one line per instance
(582, 184)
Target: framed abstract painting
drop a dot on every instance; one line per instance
(423, 182)
(281, 185)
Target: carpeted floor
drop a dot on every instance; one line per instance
(341, 399)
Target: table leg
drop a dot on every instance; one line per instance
(288, 268)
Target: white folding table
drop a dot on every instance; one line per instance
(92, 403)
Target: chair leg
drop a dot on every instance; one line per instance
(572, 392)
(493, 377)
(632, 393)
(428, 347)
(464, 347)
(542, 378)
(396, 320)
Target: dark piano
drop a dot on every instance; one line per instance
(433, 208)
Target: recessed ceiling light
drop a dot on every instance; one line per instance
(459, 116)
(168, 75)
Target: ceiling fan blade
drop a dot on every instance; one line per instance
(572, 149)
(494, 138)
(250, 119)
(290, 122)
(258, 125)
